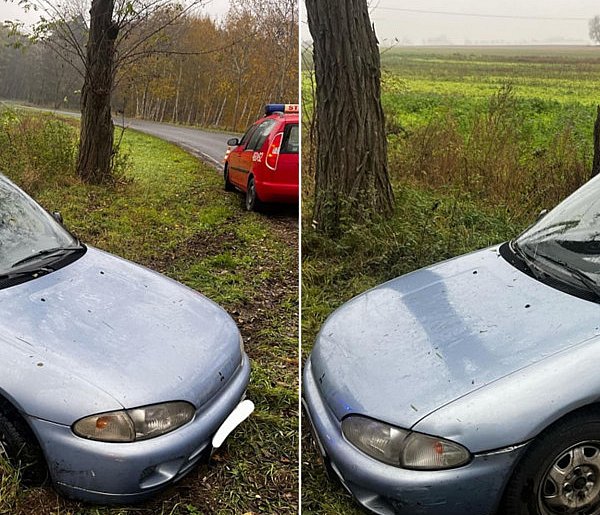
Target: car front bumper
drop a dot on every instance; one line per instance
(105, 473)
(475, 488)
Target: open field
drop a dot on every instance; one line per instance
(552, 84)
(168, 211)
(480, 140)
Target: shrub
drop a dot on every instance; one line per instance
(36, 149)
(496, 159)
(39, 150)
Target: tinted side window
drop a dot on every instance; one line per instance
(248, 135)
(260, 135)
(291, 139)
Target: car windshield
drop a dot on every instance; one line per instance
(25, 228)
(567, 239)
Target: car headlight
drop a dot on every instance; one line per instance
(403, 448)
(135, 424)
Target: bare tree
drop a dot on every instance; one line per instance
(112, 42)
(351, 179)
(594, 26)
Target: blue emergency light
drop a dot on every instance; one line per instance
(281, 108)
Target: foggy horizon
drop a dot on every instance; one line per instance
(473, 22)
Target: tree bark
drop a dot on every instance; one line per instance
(351, 180)
(94, 162)
(596, 162)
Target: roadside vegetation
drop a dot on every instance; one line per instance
(480, 141)
(167, 211)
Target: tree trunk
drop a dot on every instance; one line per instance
(351, 180)
(137, 103)
(145, 99)
(218, 120)
(175, 117)
(94, 162)
(596, 162)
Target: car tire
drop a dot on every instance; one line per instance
(20, 449)
(560, 467)
(228, 185)
(252, 200)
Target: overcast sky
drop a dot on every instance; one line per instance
(503, 25)
(509, 21)
(11, 11)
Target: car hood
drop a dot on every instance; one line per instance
(408, 347)
(106, 324)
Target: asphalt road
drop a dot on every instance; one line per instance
(210, 146)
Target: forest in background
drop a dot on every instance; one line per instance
(198, 71)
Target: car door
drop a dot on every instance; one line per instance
(252, 157)
(236, 175)
(288, 162)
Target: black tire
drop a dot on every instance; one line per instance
(228, 186)
(19, 447)
(568, 451)
(252, 200)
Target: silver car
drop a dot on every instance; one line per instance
(473, 385)
(114, 379)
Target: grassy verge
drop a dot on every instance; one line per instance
(168, 212)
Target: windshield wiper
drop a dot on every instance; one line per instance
(583, 278)
(53, 252)
(29, 271)
(538, 271)
(527, 259)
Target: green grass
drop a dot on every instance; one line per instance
(9, 487)
(168, 212)
(550, 83)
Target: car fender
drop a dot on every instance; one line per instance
(519, 406)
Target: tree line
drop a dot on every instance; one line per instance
(193, 70)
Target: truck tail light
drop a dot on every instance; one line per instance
(273, 152)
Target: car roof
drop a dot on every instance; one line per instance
(287, 117)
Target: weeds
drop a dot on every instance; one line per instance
(9, 488)
(33, 148)
(495, 159)
(39, 150)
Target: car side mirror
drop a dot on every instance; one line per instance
(58, 217)
(542, 214)
(233, 142)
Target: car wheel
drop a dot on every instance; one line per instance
(228, 185)
(560, 472)
(19, 448)
(252, 201)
